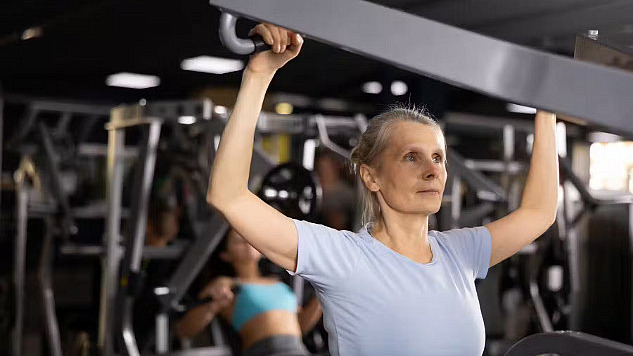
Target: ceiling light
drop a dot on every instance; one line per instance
(372, 87)
(30, 33)
(283, 108)
(215, 65)
(520, 109)
(132, 80)
(398, 87)
(186, 120)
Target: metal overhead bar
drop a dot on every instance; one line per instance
(35, 107)
(465, 59)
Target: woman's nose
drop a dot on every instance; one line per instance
(431, 170)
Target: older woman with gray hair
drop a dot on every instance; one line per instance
(394, 287)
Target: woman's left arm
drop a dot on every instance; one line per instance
(309, 315)
(540, 196)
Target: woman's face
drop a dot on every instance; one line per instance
(238, 250)
(410, 174)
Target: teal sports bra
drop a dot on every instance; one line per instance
(255, 299)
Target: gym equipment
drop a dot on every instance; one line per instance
(568, 343)
(495, 68)
(237, 45)
(39, 194)
(293, 190)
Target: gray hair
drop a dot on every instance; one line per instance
(373, 142)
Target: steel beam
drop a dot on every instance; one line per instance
(110, 269)
(135, 237)
(465, 59)
(19, 260)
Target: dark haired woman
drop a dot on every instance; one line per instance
(264, 311)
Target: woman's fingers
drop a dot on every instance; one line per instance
(263, 31)
(297, 42)
(274, 31)
(284, 38)
(278, 38)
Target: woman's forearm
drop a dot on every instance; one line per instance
(229, 177)
(194, 321)
(310, 315)
(541, 188)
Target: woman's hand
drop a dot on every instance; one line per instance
(220, 290)
(285, 46)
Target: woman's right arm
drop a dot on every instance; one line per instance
(195, 320)
(269, 231)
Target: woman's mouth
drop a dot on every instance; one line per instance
(430, 192)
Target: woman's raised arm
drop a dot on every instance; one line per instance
(540, 196)
(269, 231)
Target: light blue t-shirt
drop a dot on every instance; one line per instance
(378, 302)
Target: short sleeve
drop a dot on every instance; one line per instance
(474, 246)
(325, 255)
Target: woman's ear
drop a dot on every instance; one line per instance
(368, 175)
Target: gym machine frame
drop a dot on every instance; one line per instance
(53, 208)
(197, 254)
(452, 55)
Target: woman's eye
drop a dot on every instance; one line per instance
(410, 157)
(437, 159)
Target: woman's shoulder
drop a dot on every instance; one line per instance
(460, 238)
(324, 231)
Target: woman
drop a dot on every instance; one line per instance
(264, 312)
(393, 288)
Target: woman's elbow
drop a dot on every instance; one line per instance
(548, 218)
(217, 199)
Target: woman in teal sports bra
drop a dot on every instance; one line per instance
(263, 310)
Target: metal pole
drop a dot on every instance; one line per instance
(22, 199)
(162, 333)
(116, 140)
(135, 240)
(48, 297)
(1, 135)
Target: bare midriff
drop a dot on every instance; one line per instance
(265, 325)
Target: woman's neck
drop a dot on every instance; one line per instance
(248, 270)
(402, 231)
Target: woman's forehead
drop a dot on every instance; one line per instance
(414, 135)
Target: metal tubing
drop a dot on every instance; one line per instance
(22, 200)
(46, 288)
(54, 182)
(229, 38)
(195, 259)
(456, 201)
(146, 186)
(462, 58)
(1, 135)
(486, 189)
(114, 188)
(325, 138)
(541, 312)
(162, 333)
(135, 239)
